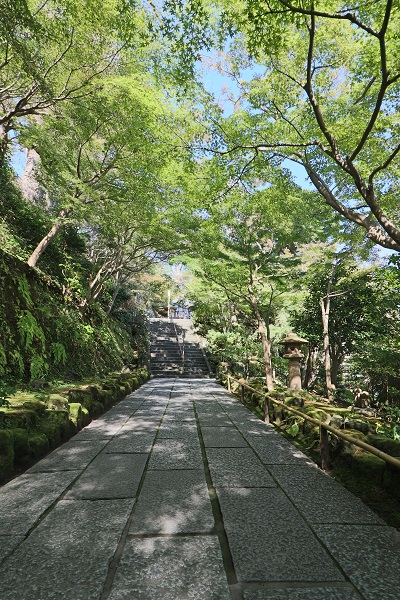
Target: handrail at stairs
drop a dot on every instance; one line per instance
(180, 346)
(324, 428)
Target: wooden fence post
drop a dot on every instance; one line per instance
(266, 410)
(242, 394)
(229, 383)
(325, 464)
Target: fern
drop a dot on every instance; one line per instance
(59, 354)
(29, 329)
(24, 290)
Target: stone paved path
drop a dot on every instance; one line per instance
(179, 492)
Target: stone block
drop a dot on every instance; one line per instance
(68, 555)
(70, 456)
(8, 543)
(135, 442)
(320, 498)
(370, 556)
(270, 541)
(303, 593)
(173, 502)
(171, 569)
(110, 476)
(237, 467)
(176, 454)
(25, 499)
(222, 437)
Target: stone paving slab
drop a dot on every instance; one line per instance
(222, 437)
(173, 502)
(72, 455)
(176, 454)
(7, 544)
(134, 442)
(269, 540)
(110, 476)
(68, 554)
(310, 593)
(180, 417)
(320, 498)
(171, 569)
(105, 431)
(369, 554)
(178, 429)
(216, 420)
(24, 500)
(140, 424)
(237, 467)
(275, 450)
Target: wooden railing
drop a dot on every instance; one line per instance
(323, 427)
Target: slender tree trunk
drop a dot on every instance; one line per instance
(4, 142)
(266, 344)
(115, 294)
(325, 304)
(48, 238)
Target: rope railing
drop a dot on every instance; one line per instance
(324, 428)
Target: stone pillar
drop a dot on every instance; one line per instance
(292, 344)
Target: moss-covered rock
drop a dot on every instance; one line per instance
(86, 418)
(106, 398)
(384, 443)
(19, 418)
(57, 402)
(36, 405)
(21, 444)
(75, 415)
(38, 445)
(358, 425)
(6, 454)
(56, 427)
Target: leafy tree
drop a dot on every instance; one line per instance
(327, 97)
(363, 313)
(247, 247)
(52, 53)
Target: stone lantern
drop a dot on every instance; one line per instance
(293, 344)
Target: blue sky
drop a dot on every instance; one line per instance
(219, 85)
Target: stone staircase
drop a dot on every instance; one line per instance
(175, 349)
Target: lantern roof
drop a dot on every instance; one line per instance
(292, 338)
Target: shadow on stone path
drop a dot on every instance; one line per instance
(179, 492)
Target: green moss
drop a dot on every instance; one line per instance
(37, 405)
(75, 414)
(105, 397)
(38, 445)
(86, 418)
(21, 444)
(384, 443)
(24, 419)
(6, 454)
(58, 402)
(55, 426)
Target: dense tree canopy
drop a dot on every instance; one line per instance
(324, 94)
(130, 163)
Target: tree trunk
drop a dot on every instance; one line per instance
(325, 308)
(48, 238)
(266, 344)
(115, 294)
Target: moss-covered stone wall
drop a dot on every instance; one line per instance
(43, 333)
(35, 423)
